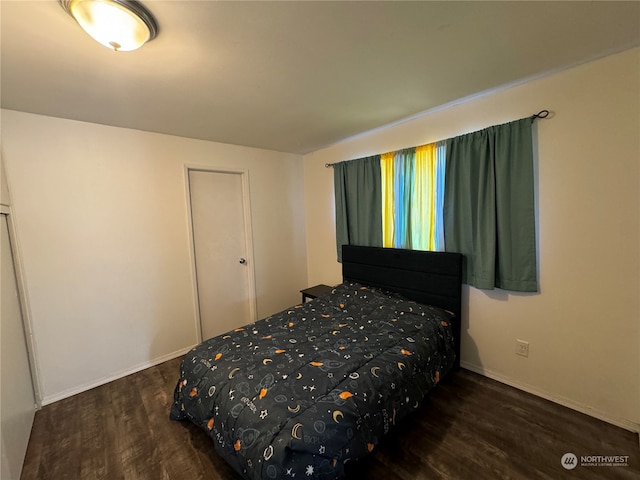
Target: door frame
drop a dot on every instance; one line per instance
(21, 285)
(248, 233)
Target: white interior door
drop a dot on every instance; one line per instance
(223, 259)
(17, 398)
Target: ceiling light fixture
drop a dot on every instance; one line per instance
(120, 25)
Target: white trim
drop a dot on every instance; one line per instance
(565, 402)
(246, 207)
(192, 255)
(121, 374)
(25, 309)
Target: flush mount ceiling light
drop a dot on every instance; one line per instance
(121, 25)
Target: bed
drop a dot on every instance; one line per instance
(304, 391)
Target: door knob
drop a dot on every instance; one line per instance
(243, 261)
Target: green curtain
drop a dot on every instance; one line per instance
(358, 194)
(489, 212)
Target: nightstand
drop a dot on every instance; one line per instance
(315, 292)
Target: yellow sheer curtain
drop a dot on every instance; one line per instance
(423, 211)
(388, 200)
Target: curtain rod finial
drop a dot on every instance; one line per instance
(540, 114)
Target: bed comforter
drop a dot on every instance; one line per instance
(308, 389)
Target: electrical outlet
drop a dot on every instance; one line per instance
(522, 348)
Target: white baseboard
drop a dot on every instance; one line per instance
(565, 402)
(88, 386)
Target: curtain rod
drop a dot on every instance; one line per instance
(540, 114)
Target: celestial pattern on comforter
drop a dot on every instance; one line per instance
(302, 392)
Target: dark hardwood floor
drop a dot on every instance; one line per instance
(470, 427)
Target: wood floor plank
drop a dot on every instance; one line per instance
(94, 458)
(171, 438)
(470, 427)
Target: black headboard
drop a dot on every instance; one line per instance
(432, 278)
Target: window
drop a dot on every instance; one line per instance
(471, 194)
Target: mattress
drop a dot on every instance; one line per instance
(304, 391)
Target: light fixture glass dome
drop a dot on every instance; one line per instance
(117, 24)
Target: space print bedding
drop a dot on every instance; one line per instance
(304, 391)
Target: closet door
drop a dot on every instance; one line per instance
(223, 259)
(17, 401)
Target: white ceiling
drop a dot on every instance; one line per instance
(295, 76)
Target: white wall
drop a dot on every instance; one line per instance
(583, 327)
(101, 214)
